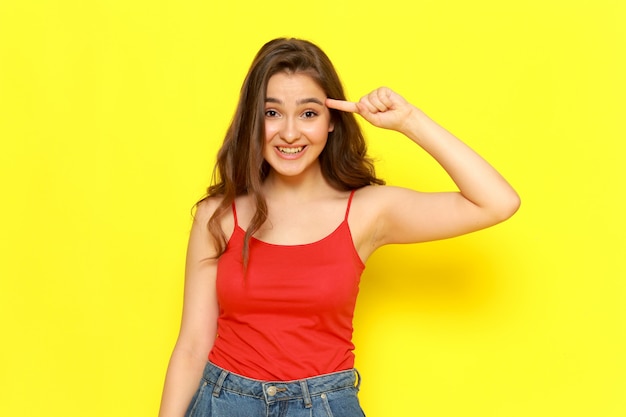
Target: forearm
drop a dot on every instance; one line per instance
(183, 375)
(477, 180)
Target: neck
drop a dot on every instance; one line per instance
(303, 186)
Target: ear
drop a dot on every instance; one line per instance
(331, 126)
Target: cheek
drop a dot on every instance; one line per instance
(270, 131)
(317, 131)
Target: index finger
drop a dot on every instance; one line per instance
(342, 105)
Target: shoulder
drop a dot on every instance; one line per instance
(365, 199)
(374, 196)
(208, 207)
(205, 209)
(378, 211)
(205, 236)
(387, 198)
(372, 200)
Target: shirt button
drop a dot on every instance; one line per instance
(271, 391)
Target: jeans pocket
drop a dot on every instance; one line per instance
(200, 404)
(342, 403)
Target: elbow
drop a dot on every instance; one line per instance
(508, 206)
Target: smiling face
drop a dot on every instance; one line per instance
(297, 124)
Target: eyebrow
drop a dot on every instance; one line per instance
(299, 102)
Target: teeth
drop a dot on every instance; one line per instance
(291, 150)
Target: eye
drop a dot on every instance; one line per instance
(271, 113)
(309, 114)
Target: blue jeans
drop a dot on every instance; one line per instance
(224, 394)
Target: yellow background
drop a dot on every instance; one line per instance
(111, 113)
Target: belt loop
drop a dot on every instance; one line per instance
(358, 379)
(218, 384)
(305, 394)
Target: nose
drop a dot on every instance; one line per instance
(289, 131)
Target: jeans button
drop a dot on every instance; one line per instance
(271, 391)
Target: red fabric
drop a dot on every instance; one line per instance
(291, 316)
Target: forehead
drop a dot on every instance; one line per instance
(297, 85)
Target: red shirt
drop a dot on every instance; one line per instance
(291, 316)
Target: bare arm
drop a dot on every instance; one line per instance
(406, 216)
(199, 322)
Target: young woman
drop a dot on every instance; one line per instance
(278, 245)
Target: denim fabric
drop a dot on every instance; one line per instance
(224, 394)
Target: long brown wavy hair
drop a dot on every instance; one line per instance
(241, 168)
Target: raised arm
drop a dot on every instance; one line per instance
(406, 216)
(199, 322)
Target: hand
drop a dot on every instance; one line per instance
(382, 107)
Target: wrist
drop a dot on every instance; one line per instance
(414, 124)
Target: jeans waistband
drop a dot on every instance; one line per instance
(273, 391)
